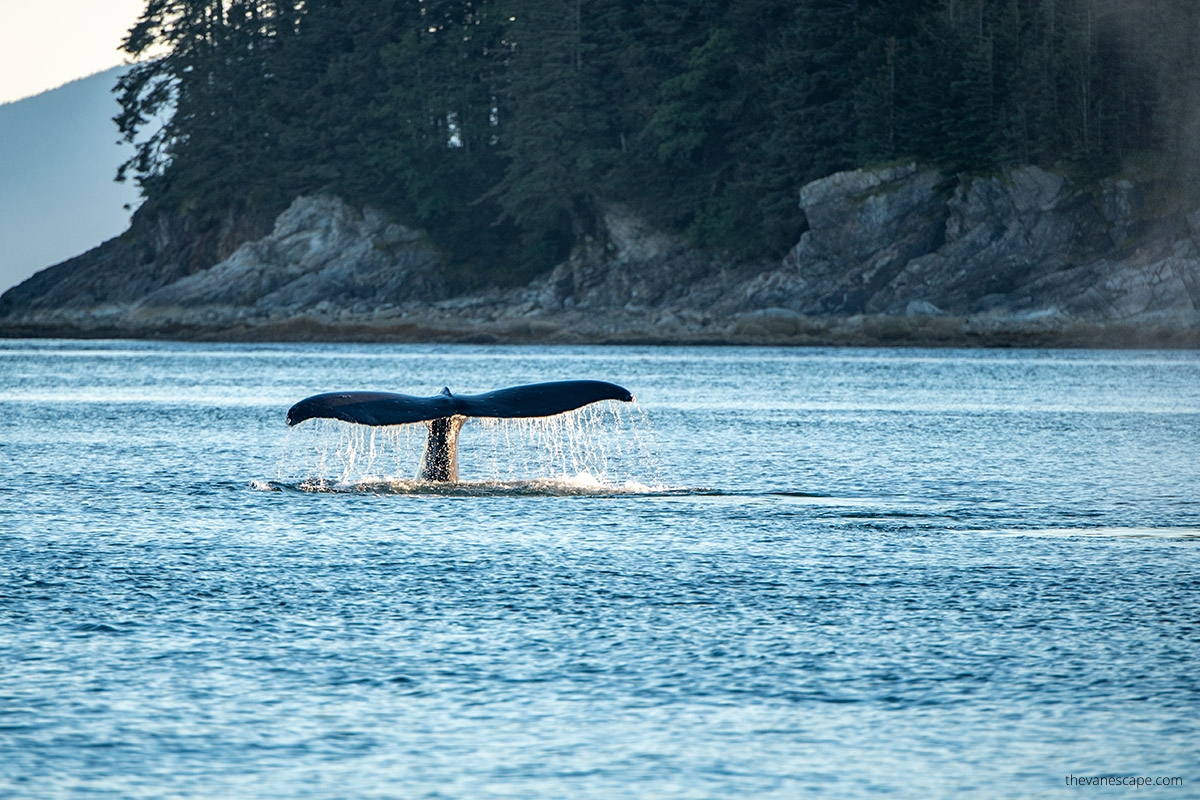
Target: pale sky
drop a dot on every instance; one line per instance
(46, 43)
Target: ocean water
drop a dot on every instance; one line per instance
(781, 573)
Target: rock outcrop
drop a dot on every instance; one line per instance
(162, 249)
(901, 254)
(321, 254)
(635, 269)
(864, 229)
(904, 242)
(321, 257)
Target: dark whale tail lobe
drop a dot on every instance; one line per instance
(444, 413)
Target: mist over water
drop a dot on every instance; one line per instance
(782, 573)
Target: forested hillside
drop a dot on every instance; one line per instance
(503, 126)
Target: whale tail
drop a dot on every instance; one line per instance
(444, 413)
(439, 461)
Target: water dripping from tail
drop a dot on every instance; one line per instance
(600, 449)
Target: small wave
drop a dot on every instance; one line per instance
(1119, 532)
(96, 627)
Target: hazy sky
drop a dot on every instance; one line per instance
(46, 43)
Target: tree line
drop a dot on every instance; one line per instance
(502, 127)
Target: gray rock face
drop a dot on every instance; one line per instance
(896, 254)
(852, 216)
(320, 251)
(636, 268)
(321, 261)
(124, 270)
(895, 241)
(864, 227)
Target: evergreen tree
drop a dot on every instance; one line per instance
(505, 127)
(544, 131)
(217, 55)
(813, 74)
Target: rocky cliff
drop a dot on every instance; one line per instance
(901, 254)
(1027, 242)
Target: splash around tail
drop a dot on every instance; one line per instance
(445, 413)
(580, 485)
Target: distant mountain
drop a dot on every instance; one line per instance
(58, 156)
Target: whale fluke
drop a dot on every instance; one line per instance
(444, 413)
(388, 408)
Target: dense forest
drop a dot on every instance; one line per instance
(502, 126)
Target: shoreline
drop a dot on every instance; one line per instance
(888, 261)
(764, 330)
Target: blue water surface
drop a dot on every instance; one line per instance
(782, 573)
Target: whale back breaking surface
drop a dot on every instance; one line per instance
(387, 408)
